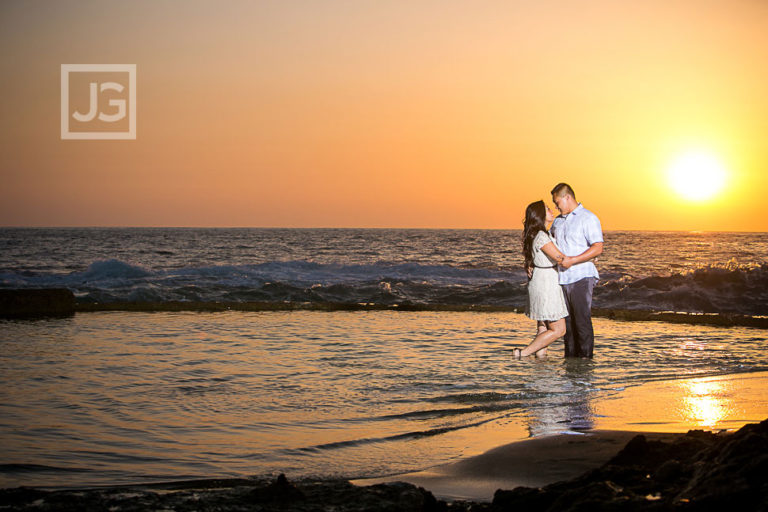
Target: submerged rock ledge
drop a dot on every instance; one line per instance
(36, 302)
(698, 471)
(60, 301)
(718, 319)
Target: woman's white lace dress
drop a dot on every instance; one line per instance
(545, 297)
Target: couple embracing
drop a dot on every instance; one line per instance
(561, 273)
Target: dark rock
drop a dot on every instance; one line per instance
(593, 496)
(522, 498)
(20, 496)
(632, 452)
(278, 495)
(280, 491)
(395, 497)
(669, 471)
(700, 471)
(733, 472)
(36, 302)
(641, 452)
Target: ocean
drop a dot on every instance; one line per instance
(125, 397)
(676, 271)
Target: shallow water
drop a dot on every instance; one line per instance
(104, 398)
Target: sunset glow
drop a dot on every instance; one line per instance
(393, 114)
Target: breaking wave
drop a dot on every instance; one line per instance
(725, 288)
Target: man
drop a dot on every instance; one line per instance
(578, 234)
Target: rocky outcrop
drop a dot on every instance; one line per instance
(231, 495)
(36, 302)
(700, 471)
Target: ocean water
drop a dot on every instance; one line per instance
(677, 271)
(124, 397)
(120, 397)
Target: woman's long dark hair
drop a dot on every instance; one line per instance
(535, 221)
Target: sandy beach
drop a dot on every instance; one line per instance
(661, 411)
(531, 463)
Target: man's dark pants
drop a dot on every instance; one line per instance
(579, 336)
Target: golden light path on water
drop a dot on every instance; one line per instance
(705, 403)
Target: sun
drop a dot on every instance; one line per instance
(696, 175)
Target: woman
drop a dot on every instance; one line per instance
(546, 303)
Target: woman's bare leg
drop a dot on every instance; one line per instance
(540, 328)
(544, 338)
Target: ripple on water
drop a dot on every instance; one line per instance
(313, 393)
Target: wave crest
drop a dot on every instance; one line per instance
(731, 287)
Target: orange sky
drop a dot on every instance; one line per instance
(388, 114)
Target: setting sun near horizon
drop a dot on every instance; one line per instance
(396, 114)
(697, 175)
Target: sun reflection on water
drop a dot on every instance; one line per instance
(704, 402)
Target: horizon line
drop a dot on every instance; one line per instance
(358, 227)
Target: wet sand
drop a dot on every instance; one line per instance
(531, 463)
(661, 411)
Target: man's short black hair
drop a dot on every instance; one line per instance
(562, 189)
